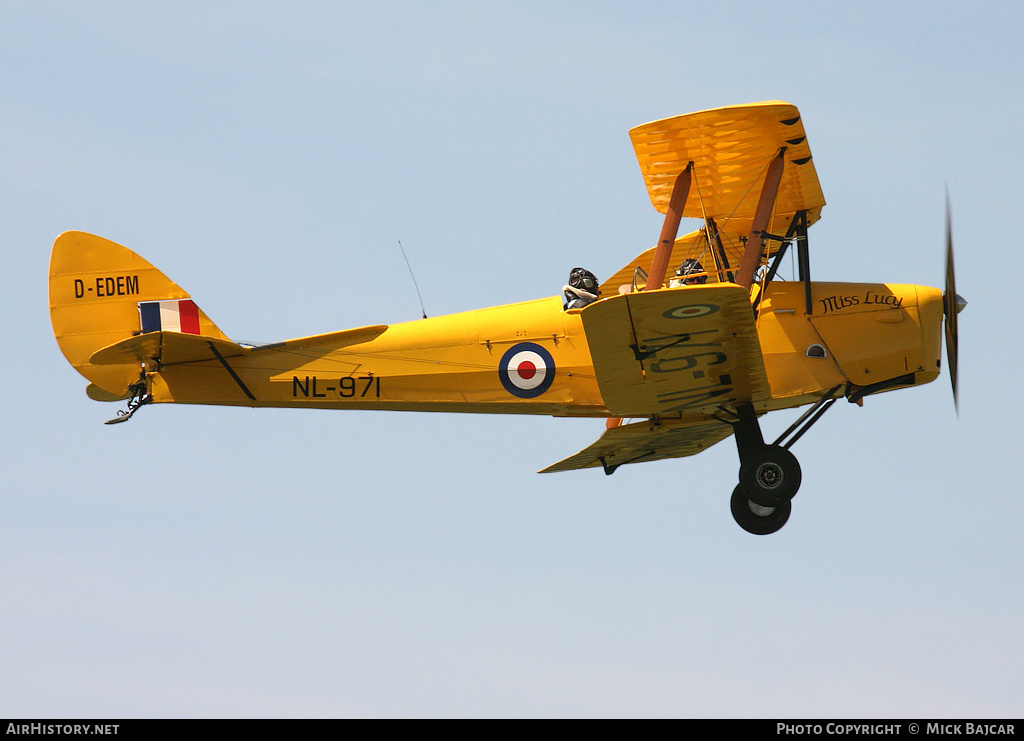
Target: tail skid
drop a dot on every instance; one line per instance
(138, 395)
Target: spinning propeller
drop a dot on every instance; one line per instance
(952, 304)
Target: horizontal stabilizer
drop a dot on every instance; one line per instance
(96, 393)
(328, 341)
(167, 348)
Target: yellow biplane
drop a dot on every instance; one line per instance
(686, 359)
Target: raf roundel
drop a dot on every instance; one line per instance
(690, 311)
(526, 370)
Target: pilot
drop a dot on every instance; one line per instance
(582, 289)
(683, 278)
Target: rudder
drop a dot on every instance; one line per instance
(96, 287)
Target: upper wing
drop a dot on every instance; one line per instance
(646, 441)
(693, 245)
(673, 351)
(730, 149)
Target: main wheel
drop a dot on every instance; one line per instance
(772, 476)
(756, 518)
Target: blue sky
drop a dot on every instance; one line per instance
(269, 157)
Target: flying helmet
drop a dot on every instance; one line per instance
(689, 267)
(584, 280)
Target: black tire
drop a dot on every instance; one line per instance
(772, 476)
(756, 518)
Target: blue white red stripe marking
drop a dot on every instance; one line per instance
(180, 315)
(526, 370)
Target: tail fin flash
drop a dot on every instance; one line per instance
(102, 293)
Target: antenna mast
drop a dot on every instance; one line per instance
(416, 285)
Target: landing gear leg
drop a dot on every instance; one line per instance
(769, 473)
(769, 478)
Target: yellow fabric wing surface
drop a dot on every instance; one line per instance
(685, 351)
(646, 441)
(691, 245)
(730, 149)
(679, 355)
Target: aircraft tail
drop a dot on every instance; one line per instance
(101, 294)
